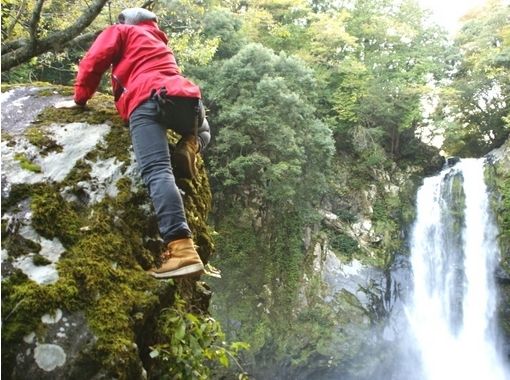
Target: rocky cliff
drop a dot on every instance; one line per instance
(359, 276)
(78, 232)
(498, 179)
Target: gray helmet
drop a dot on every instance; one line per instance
(133, 16)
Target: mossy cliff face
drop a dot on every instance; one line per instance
(78, 233)
(336, 323)
(351, 281)
(498, 179)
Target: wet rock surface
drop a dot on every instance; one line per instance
(20, 106)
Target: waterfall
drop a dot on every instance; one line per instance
(454, 251)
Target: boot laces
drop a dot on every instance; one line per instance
(165, 256)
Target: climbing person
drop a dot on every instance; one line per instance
(152, 95)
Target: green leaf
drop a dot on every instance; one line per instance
(180, 331)
(223, 359)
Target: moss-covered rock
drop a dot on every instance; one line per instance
(78, 233)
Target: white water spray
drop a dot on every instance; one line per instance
(453, 256)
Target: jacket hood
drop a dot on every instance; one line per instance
(133, 16)
(153, 28)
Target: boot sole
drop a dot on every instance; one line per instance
(188, 270)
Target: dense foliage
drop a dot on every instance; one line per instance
(310, 100)
(476, 108)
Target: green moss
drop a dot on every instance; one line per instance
(117, 144)
(8, 138)
(50, 89)
(26, 163)
(23, 304)
(45, 88)
(100, 110)
(198, 200)
(504, 306)
(18, 193)
(22, 307)
(499, 181)
(36, 136)
(391, 213)
(343, 245)
(112, 287)
(19, 305)
(104, 266)
(497, 177)
(16, 245)
(53, 217)
(111, 254)
(11, 86)
(40, 260)
(80, 172)
(102, 271)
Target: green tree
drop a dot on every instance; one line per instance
(44, 39)
(277, 24)
(225, 25)
(385, 73)
(31, 28)
(476, 105)
(183, 21)
(60, 43)
(269, 166)
(266, 126)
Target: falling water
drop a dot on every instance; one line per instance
(452, 310)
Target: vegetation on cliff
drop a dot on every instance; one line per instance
(107, 246)
(320, 122)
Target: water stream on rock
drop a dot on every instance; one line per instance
(454, 251)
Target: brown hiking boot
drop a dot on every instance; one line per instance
(184, 157)
(180, 260)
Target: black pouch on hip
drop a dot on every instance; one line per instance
(183, 115)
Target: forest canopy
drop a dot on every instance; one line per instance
(377, 62)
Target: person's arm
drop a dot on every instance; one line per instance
(105, 50)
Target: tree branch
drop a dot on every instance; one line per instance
(34, 22)
(84, 41)
(149, 4)
(13, 45)
(55, 41)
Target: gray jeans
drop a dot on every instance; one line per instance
(150, 145)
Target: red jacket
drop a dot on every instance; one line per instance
(141, 62)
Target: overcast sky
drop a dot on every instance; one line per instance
(448, 12)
